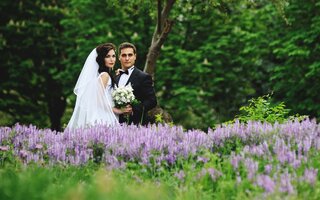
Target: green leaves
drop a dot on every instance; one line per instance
(218, 55)
(32, 52)
(296, 63)
(262, 109)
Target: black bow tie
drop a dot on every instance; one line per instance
(124, 72)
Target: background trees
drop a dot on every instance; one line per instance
(217, 55)
(32, 50)
(295, 49)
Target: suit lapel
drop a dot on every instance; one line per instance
(132, 76)
(117, 80)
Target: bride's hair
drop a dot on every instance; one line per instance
(102, 51)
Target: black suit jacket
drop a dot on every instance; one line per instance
(144, 92)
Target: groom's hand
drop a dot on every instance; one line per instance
(117, 72)
(123, 111)
(127, 110)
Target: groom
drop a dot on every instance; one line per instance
(141, 83)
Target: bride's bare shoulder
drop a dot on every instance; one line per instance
(104, 77)
(104, 74)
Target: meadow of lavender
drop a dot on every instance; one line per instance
(250, 160)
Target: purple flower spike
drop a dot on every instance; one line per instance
(180, 175)
(267, 169)
(266, 183)
(310, 175)
(285, 183)
(252, 168)
(4, 148)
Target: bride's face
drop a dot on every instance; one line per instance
(110, 59)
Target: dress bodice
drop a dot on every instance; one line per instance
(108, 91)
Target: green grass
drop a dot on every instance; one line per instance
(88, 182)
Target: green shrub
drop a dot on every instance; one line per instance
(264, 110)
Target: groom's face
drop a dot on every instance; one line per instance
(127, 58)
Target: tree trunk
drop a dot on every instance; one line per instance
(57, 107)
(56, 103)
(160, 34)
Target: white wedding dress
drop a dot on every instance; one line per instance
(94, 101)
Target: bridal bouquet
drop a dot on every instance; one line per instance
(123, 96)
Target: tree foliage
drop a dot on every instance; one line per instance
(296, 71)
(218, 54)
(32, 50)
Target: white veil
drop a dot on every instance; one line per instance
(92, 105)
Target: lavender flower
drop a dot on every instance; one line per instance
(285, 183)
(288, 145)
(38, 146)
(202, 159)
(252, 167)
(214, 174)
(266, 183)
(180, 175)
(4, 148)
(235, 160)
(310, 175)
(267, 169)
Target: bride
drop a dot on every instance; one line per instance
(94, 104)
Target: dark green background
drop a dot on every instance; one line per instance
(218, 55)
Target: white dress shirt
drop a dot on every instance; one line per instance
(125, 77)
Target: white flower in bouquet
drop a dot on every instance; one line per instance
(123, 95)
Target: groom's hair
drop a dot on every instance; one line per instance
(127, 45)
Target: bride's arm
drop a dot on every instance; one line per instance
(104, 79)
(116, 111)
